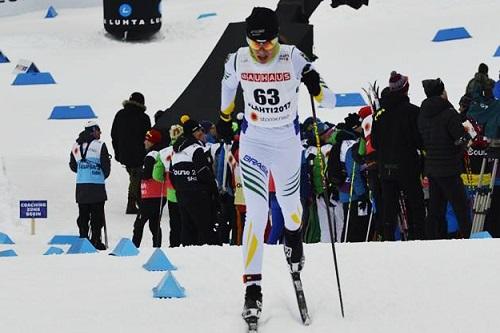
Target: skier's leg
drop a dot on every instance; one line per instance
(255, 180)
(286, 166)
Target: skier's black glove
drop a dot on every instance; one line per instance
(224, 128)
(311, 79)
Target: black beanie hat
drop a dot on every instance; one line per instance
(433, 87)
(352, 121)
(189, 126)
(137, 97)
(483, 68)
(262, 24)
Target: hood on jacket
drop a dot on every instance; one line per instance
(183, 142)
(391, 100)
(433, 106)
(128, 104)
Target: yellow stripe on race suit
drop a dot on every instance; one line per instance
(252, 248)
(226, 113)
(295, 218)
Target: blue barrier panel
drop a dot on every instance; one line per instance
(51, 12)
(451, 34)
(8, 253)
(497, 53)
(204, 15)
(159, 262)
(72, 112)
(3, 58)
(82, 245)
(480, 235)
(169, 288)
(63, 239)
(5, 239)
(24, 79)
(125, 248)
(349, 99)
(53, 250)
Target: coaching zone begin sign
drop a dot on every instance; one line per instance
(30, 209)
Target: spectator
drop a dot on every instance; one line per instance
(166, 155)
(165, 135)
(396, 139)
(90, 160)
(195, 185)
(127, 133)
(152, 192)
(476, 85)
(443, 136)
(210, 131)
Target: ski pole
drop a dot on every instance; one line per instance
(105, 231)
(326, 198)
(350, 201)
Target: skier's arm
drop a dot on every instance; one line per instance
(229, 86)
(311, 78)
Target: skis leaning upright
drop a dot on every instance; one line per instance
(301, 299)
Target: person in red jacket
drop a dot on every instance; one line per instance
(152, 192)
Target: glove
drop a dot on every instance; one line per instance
(311, 79)
(224, 129)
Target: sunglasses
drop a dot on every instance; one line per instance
(267, 45)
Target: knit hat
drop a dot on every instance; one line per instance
(433, 87)
(137, 97)
(153, 136)
(483, 68)
(189, 125)
(207, 125)
(91, 125)
(398, 82)
(352, 121)
(175, 132)
(365, 111)
(262, 24)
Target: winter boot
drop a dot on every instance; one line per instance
(253, 302)
(294, 251)
(98, 244)
(131, 207)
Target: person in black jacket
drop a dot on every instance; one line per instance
(396, 139)
(90, 160)
(195, 185)
(127, 133)
(444, 136)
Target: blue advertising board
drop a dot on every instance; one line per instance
(31, 209)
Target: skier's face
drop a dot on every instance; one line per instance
(263, 51)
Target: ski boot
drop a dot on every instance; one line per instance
(252, 307)
(294, 252)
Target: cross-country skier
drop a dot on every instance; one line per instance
(270, 74)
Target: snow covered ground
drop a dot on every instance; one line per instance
(441, 286)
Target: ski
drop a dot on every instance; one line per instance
(301, 299)
(252, 324)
